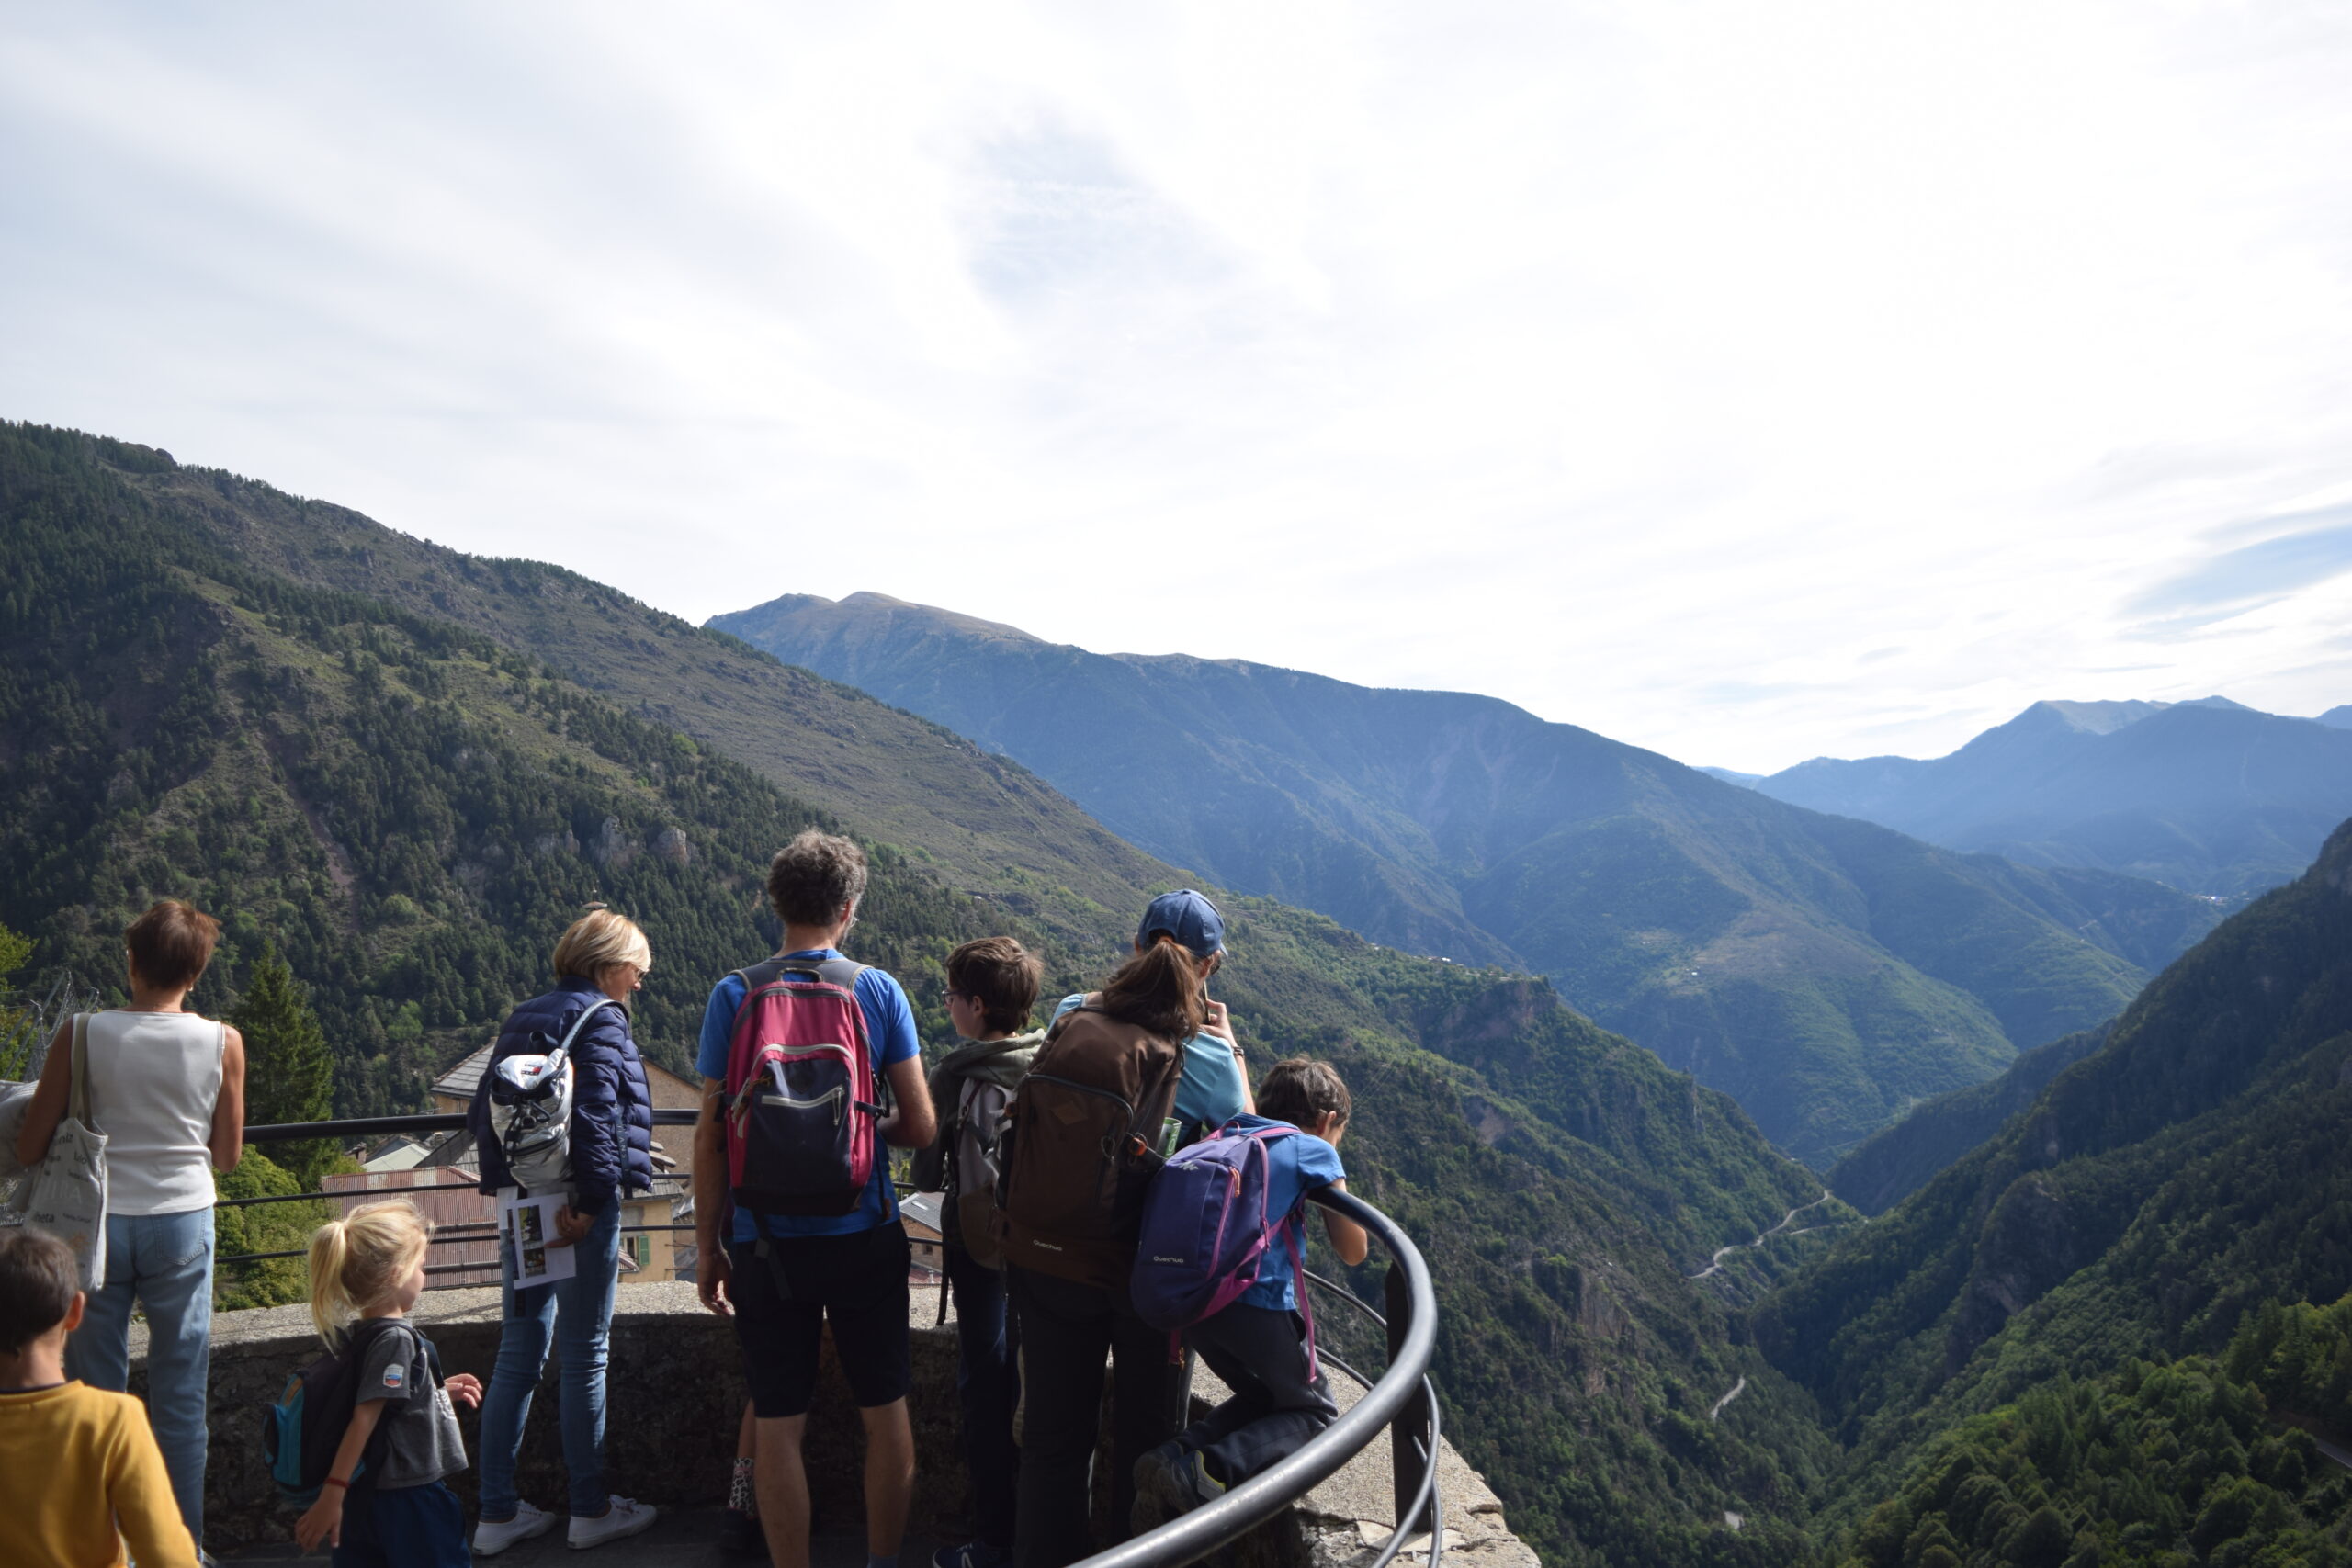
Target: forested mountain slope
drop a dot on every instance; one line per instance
(2207, 797)
(1896, 1161)
(2190, 1170)
(409, 803)
(2205, 1460)
(1827, 973)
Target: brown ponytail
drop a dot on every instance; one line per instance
(1160, 989)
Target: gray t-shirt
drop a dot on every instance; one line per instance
(421, 1440)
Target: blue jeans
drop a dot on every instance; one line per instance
(164, 1262)
(577, 1315)
(988, 1381)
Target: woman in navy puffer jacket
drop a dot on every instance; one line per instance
(602, 959)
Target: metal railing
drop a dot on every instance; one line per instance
(1402, 1399)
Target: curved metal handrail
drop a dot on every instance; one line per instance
(1193, 1536)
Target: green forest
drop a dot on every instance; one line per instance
(2203, 1460)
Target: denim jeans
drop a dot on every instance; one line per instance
(164, 1262)
(988, 1381)
(576, 1314)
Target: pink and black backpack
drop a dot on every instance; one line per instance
(800, 1097)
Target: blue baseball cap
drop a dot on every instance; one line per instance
(1188, 917)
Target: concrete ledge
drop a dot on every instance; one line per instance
(674, 1393)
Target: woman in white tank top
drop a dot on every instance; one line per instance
(167, 1088)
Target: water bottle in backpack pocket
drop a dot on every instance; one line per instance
(801, 1092)
(530, 1109)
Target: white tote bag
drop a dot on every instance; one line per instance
(66, 1194)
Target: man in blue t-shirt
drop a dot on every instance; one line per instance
(785, 1277)
(1257, 1345)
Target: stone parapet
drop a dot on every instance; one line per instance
(674, 1394)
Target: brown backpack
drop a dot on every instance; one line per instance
(1087, 1129)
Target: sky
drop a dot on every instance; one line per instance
(1751, 382)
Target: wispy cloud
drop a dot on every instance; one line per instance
(2315, 546)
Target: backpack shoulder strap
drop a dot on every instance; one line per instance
(841, 971)
(563, 1051)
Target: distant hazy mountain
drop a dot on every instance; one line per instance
(2209, 796)
(1829, 973)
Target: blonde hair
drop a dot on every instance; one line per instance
(357, 1259)
(599, 939)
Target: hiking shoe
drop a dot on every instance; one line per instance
(971, 1555)
(622, 1516)
(1170, 1480)
(494, 1536)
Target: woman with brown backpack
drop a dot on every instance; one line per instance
(1127, 1075)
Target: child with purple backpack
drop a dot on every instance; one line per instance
(1219, 1258)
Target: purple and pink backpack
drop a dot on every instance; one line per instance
(1206, 1229)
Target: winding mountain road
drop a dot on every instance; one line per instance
(1714, 1265)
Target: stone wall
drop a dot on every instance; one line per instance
(675, 1396)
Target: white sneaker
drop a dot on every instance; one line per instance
(492, 1537)
(626, 1517)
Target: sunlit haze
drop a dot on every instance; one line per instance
(1746, 382)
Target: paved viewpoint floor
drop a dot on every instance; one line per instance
(688, 1538)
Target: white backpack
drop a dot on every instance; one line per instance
(530, 1110)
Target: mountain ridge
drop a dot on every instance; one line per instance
(1706, 921)
(2210, 796)
(2187, 1169)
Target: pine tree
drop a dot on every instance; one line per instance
(289, 1073)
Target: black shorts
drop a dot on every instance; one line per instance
(858, 1282)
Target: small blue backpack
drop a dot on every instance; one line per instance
(1206, 1232)
(301, 1432)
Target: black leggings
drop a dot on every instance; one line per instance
(1066, 1331)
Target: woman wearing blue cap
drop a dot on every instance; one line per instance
(1215, 1086)
(1070, 1319)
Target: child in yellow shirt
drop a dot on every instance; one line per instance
(76, 1461)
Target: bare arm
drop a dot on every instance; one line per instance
(914, 1123)
(228, 1110)
(1220, 1025)
(1348, 1238)
(50, 1097)
(711, 1197)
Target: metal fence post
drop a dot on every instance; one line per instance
(1409, 1432)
